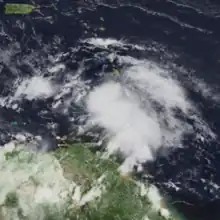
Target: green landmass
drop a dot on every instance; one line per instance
(93, 187)
(11, 8)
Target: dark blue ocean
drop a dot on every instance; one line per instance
(182, 35)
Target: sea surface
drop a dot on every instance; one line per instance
(52, 58)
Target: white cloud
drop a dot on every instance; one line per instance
(139, 111)
(35, 87)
